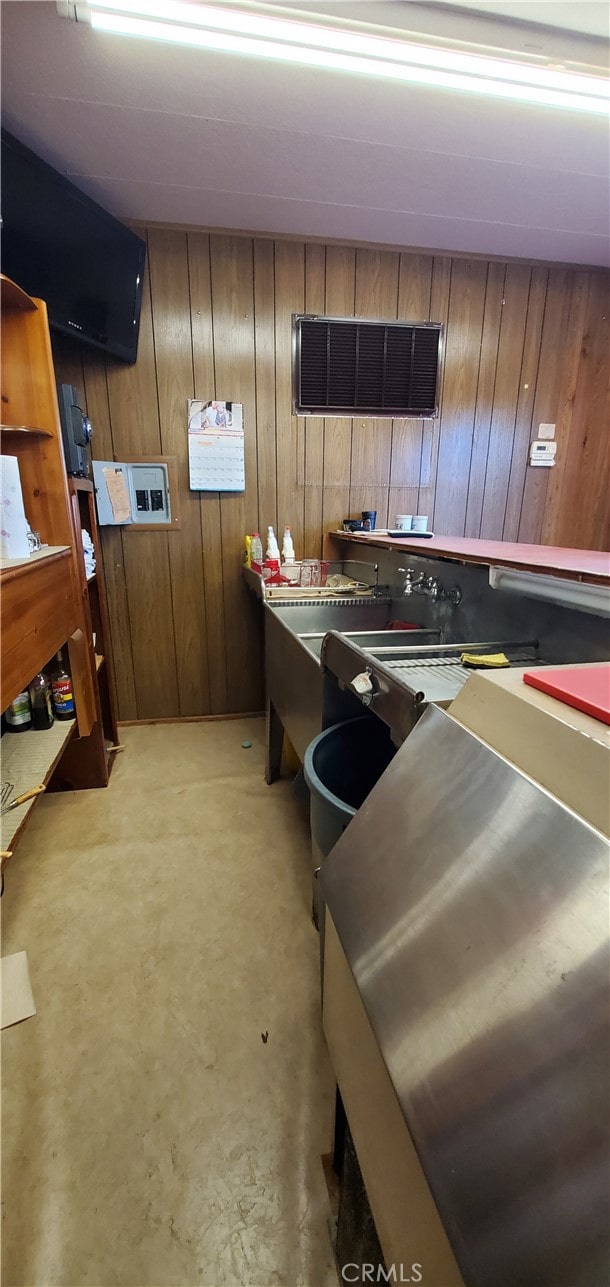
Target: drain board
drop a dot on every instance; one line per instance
(397, 683)
(440, 679)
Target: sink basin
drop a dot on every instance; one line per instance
(317, 618)
(294, 633)
(377, 641)
(371, 640)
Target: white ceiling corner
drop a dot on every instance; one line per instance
(177, 135)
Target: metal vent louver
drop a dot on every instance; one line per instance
(349, 367)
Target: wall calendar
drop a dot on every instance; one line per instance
(216, 446)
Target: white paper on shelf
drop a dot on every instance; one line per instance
(216, 446)
(17, 1000)
(14, 542)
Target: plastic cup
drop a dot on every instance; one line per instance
(311, 572)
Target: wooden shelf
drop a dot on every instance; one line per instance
(14, 298)
(28, 760)
(47, 552)
(80, 484)
(44, 596)
(30, 431)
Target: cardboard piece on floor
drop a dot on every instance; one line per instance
(16, 990)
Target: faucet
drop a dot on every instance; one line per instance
(430, 586)
(413, 584)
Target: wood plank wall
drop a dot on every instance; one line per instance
(522, 345)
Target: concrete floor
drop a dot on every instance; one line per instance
(150, 1136)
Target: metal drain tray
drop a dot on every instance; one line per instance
(397, 683)
(436, 681)
(440, 679)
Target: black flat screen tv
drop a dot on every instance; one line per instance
(60, 246)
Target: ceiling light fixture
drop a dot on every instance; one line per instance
(260, 34)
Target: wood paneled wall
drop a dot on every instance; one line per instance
(522, 345)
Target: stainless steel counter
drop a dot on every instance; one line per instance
(472, 909)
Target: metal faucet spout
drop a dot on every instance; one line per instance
(430, 586)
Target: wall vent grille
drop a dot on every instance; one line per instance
(347, 367)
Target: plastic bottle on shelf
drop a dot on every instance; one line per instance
(63, 696)
(273, 549)
(287, 547)
(40, 698)
(256, 551)
(19, 714)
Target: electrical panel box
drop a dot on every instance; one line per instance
(130, 492)
(149, 488)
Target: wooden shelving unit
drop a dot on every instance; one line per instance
(37, 556)
(84, 516)
(45, 598)
(34, 430)
(14, 299)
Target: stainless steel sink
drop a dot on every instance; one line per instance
(308, 618)
(397, 682)
(376, 641)
(294, 633)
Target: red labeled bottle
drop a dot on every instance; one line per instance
(61, 684)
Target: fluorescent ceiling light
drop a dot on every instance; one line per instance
(568, 594)
(260, 34)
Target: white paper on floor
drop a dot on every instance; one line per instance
(16, 990)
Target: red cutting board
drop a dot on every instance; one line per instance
(585, 687)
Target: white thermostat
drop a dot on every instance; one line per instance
(542, 452)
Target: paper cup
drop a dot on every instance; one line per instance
(420, 523)
(403, 522)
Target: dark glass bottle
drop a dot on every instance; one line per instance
(63, 696)
(19, 715)
(40, 698)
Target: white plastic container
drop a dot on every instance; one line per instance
(256, 550)
(14, 542)
(273, 549)
(287, 547)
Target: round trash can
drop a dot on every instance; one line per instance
(341, 767)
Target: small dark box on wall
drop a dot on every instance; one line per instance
(75, 431)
